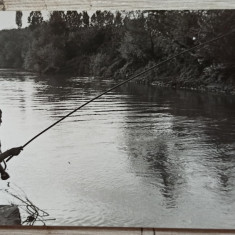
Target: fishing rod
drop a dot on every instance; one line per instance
(124, 82)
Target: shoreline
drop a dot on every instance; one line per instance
(218, 89)
(213, 87)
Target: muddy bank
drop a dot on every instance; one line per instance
(215, 87)
(201, 85)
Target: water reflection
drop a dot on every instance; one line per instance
(196, 129)
(155, 158)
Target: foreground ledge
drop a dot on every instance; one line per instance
(61, 230)
(9, 215)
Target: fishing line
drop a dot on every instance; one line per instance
(124, 82)
(35, 214)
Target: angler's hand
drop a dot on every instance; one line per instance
(16, 151)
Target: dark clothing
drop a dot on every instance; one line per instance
(4, 174)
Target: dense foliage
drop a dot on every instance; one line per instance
(117, 44)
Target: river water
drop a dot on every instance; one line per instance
(139, 156)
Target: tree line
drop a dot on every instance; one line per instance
(117, 44)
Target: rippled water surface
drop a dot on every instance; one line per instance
(139, 156)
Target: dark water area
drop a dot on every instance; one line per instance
(139, 156)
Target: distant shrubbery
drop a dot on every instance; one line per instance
(117, 44)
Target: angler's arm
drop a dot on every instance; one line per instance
(10, 152)
(4, 155)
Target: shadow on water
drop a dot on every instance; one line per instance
(152, 160)
(187, 128)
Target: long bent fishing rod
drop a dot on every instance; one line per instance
(122, 83)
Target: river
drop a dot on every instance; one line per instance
(139, 156)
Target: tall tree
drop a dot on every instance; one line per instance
(19, 19)
(35, 19)
(57, 22)
(118, 19)
(85, 19)
(102, 18)
(73, 20)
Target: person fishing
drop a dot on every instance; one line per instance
(11, 152)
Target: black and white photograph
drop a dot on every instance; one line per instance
(117, 118)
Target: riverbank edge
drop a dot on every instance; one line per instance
(215, 82)
(201, 84)
(214, 88)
